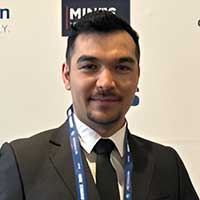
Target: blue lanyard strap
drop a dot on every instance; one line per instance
(80, 178)
(77, 160)
(128, 172)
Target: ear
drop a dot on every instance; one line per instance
(66, 75)
(138, 75)
(138, 71)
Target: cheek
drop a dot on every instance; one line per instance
(128, 91)
(81, 88)
(129, 87)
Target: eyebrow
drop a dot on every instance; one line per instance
(87, 58)
(126, 59)
(84, 58)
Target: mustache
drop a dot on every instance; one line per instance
(106, 95)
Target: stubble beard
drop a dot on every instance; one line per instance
(104, 122)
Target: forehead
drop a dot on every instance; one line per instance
(104, 45)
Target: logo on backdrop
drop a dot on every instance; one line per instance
(198, 22)
(4, 18)
(75, 9)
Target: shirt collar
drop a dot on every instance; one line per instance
(88, 137)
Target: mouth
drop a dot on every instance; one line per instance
(105, 99)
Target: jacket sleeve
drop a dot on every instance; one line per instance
(10, 180)
(186, 189)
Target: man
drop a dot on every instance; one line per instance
(93, 155)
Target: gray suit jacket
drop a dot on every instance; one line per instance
(41, 168)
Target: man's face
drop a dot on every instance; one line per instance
(102, 76)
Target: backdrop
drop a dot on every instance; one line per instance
(33, 97)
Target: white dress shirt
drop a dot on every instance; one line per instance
(88, 138)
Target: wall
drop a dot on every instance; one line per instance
(33, 97)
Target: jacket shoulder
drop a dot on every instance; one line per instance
(150, 145)
(37, 147)
(162, 154)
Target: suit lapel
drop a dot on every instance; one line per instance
(62, 161)
(143, 164)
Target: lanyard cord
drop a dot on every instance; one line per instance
(80, 178)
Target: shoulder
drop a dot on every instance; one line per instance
(152, 150)
(35, 150)
(148, 144)
(36, 146)
(41, 139)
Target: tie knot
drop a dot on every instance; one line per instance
(104, 146)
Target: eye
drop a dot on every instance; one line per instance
(89, 67)
(123, 68)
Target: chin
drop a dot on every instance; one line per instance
(104, 119)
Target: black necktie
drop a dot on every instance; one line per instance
(106, 178)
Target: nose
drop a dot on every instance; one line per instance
(106, 79)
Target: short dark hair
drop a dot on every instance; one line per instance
(99, 22)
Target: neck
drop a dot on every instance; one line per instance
(105, 130)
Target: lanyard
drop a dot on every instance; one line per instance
(80, 178)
